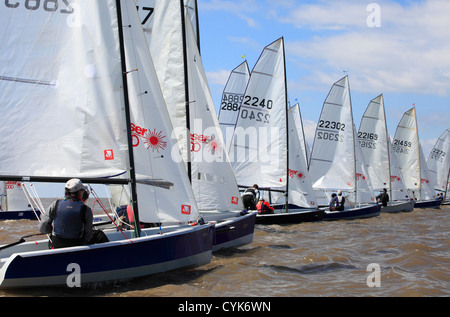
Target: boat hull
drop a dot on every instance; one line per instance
(234, 232)
(116, 260)
(19, 215)
(436, 203)
(400, 206)
(294, 215)
(353, 213)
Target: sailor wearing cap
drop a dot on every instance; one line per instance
(69, 220)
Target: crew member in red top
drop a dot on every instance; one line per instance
(264, 207)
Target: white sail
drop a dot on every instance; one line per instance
(336, 160)
(13, 196)
(427, 191)
(332, 162)
(155, 150)
(213, 180)
(300, 190)
(62, 70)
(232, 97)
(373, 140)
(165, 38)
(412, 162)
(66, 77)
(258, 149)
(295, 110)
(174, 47)
(398, 187)
(439, 162)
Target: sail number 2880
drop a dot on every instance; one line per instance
(47, 5)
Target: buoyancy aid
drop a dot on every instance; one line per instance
(70, 219)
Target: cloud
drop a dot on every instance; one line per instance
(241, 9)
(407, 53)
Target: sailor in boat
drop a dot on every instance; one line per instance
(383, 198)
(264, 207)
(69, 220)
(337, 202)
(250, 197)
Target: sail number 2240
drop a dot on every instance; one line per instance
(47, 5)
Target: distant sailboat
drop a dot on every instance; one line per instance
(336, 160)
(14, 204)
(439, 165)
(260, 148)
(412, 162)
(375, 145)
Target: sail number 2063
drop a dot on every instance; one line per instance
(47, 5)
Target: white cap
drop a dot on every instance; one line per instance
(74, 185)
(339, 192)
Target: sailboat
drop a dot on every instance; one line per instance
(375, 146)
(295, 110)
(232, 97)
(409, 154)
(439, 165)
(14, 203)
(262, 148)
(192, 111)
(99, 90)
(336, 161)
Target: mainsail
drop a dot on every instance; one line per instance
(336, 161)
(375, 145)
(411, 160)
(258, 149)
(232, 97)
(173, 43)
(295, 110)
(439, 162)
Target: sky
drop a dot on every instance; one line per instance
(400, 49)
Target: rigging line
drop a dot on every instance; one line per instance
(104, 210)
(29, 199)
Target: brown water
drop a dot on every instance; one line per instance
(309, 259)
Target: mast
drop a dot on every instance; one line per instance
(418, 154)
(354, 143)
(128, 121)
(186, 91)
(287, 131)
(388, 149)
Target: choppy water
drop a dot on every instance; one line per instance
(308, 259)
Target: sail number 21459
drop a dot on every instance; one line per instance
(46, 5)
